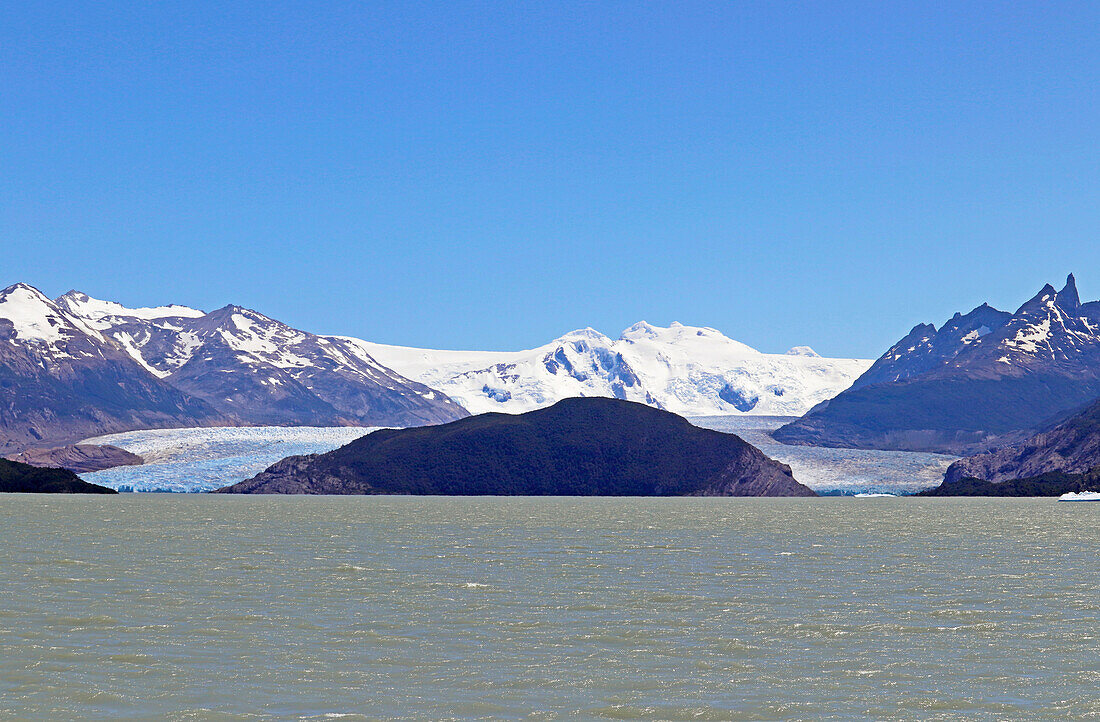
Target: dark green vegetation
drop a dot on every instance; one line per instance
(17, 477)
(581, 446)
(1054, 483)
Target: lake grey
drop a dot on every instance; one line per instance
(210, 607)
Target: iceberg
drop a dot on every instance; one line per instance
(1080, 496)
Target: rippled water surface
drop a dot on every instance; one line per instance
(206, 607)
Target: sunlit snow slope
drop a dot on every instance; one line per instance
(684, 369)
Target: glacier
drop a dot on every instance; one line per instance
(838, 471)
(203, 459)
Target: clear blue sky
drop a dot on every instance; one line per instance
(490, 175)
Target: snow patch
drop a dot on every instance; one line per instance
(104, 314)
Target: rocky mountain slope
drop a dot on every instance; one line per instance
(984, 380)
(1054, 483)
(62, 381)
(585, 447)
(256, 370)
(80, 458)
(1072, 446)
(684, 369)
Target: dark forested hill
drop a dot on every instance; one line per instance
(17, 477)
(580, 446)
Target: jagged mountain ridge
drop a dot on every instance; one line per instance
(257, 370)
(927, 348)
(80, 367)
(684, 369)
(986, 379)
(62, 381)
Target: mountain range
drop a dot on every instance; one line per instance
(60, 380)
(256, 370)
(983, 380)
(78, 366)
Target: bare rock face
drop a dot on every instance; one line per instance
(1072, 447)
(578, 447)
(984, 380)
(78, 457)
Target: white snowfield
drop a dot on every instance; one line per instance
(103, 315)
(685, 369)
(39, 323)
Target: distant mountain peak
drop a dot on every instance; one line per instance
(20, 286)
(641, 329)
(1045, 298)
(34, 317)
(587, 333)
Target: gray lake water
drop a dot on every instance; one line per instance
(208, 607)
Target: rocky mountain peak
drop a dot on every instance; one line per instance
(1044, 299)
(1068, 298)
(24, 287)
(34, 318)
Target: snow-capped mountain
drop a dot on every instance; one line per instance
(1052, 331)
(61, 380)
(685, 369)
(177, 366)
(257, 370)
(985, 379)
